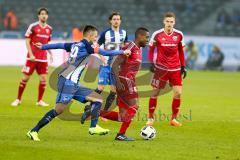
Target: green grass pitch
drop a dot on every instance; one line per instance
(210, 115)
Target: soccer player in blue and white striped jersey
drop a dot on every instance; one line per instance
(112, 38)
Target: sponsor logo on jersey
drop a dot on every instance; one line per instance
(42, 36)
(175, 38)
(169, 44)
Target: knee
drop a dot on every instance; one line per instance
(98, 98)
(59, 110)
(155, 93)
(25, 78)
(42, 78)
(100, 87)
(177, 94)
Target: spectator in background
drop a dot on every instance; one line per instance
(10, 20)
(77, 34)
(215, 59)
(236, 17)
(192, 54)
(223, 18)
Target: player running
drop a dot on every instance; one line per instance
(125, 69)
(68, 87)
(36, 59)
(169, 65)
(111, 39)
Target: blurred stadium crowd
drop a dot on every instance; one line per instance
(198, 18)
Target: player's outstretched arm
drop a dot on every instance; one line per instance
(113, 52)
(65, 46)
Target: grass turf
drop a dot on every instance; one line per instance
(210, 115)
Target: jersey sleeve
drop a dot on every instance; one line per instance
(151, 48)
(181, 46)
(65, 46)
(181, 54)
(29, 31)
(126, 38)
(50, 36)
(182, 40)
(152, 39)
(101, 39)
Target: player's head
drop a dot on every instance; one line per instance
(90, 32)
(142, 36)
(169, 20)
(115, 19)
(43, 14)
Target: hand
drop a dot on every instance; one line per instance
(152, 68)
(38, 45)
(184, 71)
(32, 58)
(127, 52)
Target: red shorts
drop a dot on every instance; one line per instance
(162, 77)
(129, 91)
(41, 67)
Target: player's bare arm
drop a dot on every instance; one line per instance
(31, 56)
(115, 69)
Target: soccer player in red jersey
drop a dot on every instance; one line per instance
(38, 32)
(169, 65)
(125, 69)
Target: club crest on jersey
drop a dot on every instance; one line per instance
(175, 38)
(47, 30)
(38, 30)
(163, 39)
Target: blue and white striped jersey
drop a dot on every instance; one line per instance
(78, 59)
(112, 40)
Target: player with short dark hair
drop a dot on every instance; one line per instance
(124, 69)
(36, 59)
(168, 67)
(68, 81)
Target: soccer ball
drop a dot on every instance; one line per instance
(148, 132)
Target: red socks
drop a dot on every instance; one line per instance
(152, 106)
(127, 119)
(21, 88)
(41, 89)
(114, 116)
(175, 107)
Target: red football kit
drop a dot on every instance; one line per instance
(37, 33)
(127, 74)
(169, 57)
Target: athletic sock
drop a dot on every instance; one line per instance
(152, 106)
(45, 120)
(21, 88)
(114, 116)
(98, 91)
(175, 107)
(111, 97)
(95, 112)
(41, 89)
(127, 119)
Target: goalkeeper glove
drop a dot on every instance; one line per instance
(152, 68)
(184, 71)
